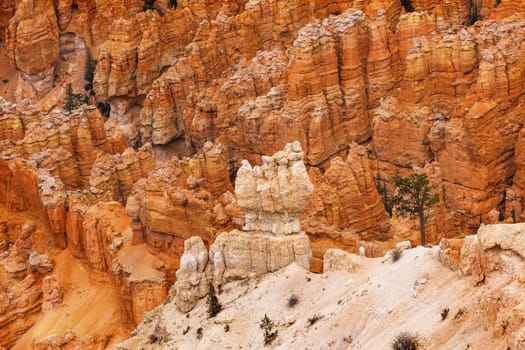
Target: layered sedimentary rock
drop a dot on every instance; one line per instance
(415, 79)
(113, 176)
(70, 340)
(492, 103)
(164, 205)
(32, 46)
(21, 286)
(481, 257)
(439, 88)
(273, 196)
(7, 9)
(64, 145)
(105, 228)
(346, 201)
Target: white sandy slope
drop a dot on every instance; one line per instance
(360, 310)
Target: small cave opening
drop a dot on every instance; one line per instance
(407, 4)
(104, 108)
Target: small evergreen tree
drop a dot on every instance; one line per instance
(415, 196)
(70, 101)
(214, 307)
(89, 71)
(120, 189)
(381, 188)
(173, 4)
(267, 326)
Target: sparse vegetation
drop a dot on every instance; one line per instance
(89, 72)
(199, 333)
(396, 254)
(226, 328)
(214, 307)
(459, 314)
(173, 4)
(292, 300)
(184, 332)
(72, 100)
(381, 188)
(159, 334)
(406, 341)
(312, 320)
(348, 339)
(444, 313)
(5, 81)
(120, 189)
(153, 338)
(415, 196)
(267, 327)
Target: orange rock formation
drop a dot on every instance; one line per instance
(370, 91)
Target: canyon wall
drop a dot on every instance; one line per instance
(187, 95)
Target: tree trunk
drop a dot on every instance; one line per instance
(422, 227)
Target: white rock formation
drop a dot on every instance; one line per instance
(273, 196)
(191, 278)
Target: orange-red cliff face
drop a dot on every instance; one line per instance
(369, 91)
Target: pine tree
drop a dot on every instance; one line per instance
(214, 307)
(415, 195)
(70, 101)
(89, 71)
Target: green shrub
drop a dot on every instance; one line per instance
(312, 320)
(293, 300)
(444, 313)
(406, 341)
(396, 254)
(214, 307)
(267, 326)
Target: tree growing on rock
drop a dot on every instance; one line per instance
(214, 307)
(70, 102)
(89, 72)
(267, 326)
(415, 196)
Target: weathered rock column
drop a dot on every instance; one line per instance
(273, 196)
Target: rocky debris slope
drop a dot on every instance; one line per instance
(22, 290)
(363, 303)
(272, 196)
